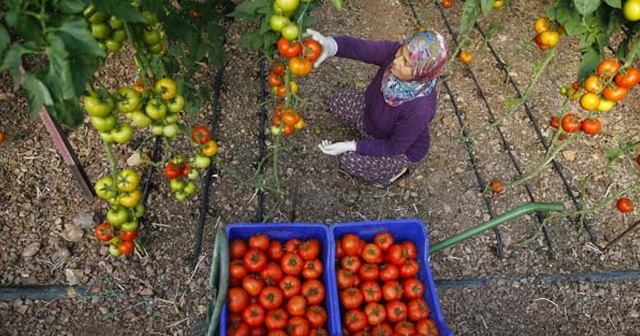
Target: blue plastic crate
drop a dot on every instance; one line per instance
(401, 229)
(286, 231)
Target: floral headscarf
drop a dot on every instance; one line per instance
(428, 52)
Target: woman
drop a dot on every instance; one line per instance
(392, 116)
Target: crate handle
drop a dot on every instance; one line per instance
(493, 223)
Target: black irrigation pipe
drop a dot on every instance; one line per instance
(505, 143)
(52, 292)
(541, 138)
(610, 276)
(217, 85)
(262, 138)
(470, 151)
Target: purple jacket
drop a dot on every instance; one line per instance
(403, 129)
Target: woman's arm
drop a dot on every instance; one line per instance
(380, 53)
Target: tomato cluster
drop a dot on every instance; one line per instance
(599, 92)
(107, 29)
(182, 172)
(609, 85)
(122, 220)
(299, 57)
(379, 289)
(546, 35)
(276, 287)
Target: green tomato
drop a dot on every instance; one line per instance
(112, 45)
(115, 23)
(157, 130)
(193, 174)
(151, 37)
(170, 130)
(277, 22)
(190, 188)
(149, 18)
(605, 105)
(117, 216)
(180, 196)
(98, 17)
(98, 106)
(128, 179)
(139, 211)
(275, 130)
(122, 134)
(631, 10)
(119, 35)
(176, 184)
(105, 188)
(155, 48)
(288, 5)
(130, 226)
(106, 137)
(140, 119)
(202, 161)
(176, 104)
(291, 31)
(155, 109)
(104, 124)
(126, 99)
(100, 30)
(171, 118)
(113, 250)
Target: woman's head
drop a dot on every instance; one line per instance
(421, 57)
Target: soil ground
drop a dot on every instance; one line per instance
(560, 286)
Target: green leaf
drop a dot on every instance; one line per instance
(67, 112)
(59, 66)
(36, 92)
(13, 57)
(76, 28)
(470, 14)
(337, 4)
(5, 40)
(564, 13)
(251, 40)
(487, 6)
(614, 3)
(122, 9)
(588, 63)
(70, 6)
(248, 10)
(586, 7)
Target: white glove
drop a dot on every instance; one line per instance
(337, 148)
(329, 46)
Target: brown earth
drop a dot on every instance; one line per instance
(572, 288)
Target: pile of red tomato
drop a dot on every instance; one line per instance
(378, 287)
(276, 287)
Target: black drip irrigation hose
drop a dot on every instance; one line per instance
(41, 292)
(505, 143)
(470, 151)
(476, 170)
(610, 276)
(541, 138)
(217, 85)
(261, 138)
